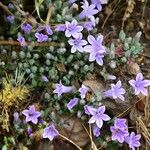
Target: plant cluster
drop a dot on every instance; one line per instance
(56, 56)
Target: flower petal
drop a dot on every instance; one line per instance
(92, 119)
(25, 112)
(132, 83)
(99, 123)
(100, 38)
(92, 56)
(34, 120)
(88, 48)
(105, 117)
(144, 91)
(99, 61)
(121, 97)
(139, 77)
(137, 91)
(146, 83)
(73, 49)
(101, 109)
(91, 39)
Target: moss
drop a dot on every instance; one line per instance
(11, 95)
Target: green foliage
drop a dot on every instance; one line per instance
(132, 46)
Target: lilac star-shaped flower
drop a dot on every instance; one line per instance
(31, 114)
(140, 85)
(21, 40)
(41, 37)
(83, 90)
(99, 3)
(120, 123)
(50, 132)
(96, 49)
(133, 140)
(77, 44)
(118, 135)
(88, 10)
(116, 91)
(60, 89)
(73, 29)
(73, 102)
(98, 116)
(26, 28)
(119, 130)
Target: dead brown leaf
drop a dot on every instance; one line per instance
(133, 68)
(61, 67)
(74, 130)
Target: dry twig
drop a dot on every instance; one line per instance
(33, 44)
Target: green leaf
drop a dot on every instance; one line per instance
(112, 47)
(122, 35)
(137, 37)
(4, 147)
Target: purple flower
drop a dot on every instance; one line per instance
(72, 103)
(133, 140)
(96, 131)
(29, 131)
(50, 132)
(139, 85)
(121, 124)
(119, 130)
(98, 3)
(31, 114)
(41, 37)
(41, 121)
(10, 19)
(61, 27)
(77, 44)
(21, 40)
(116, 91)
(44, 78)
(96, 49)
(88, 10)
(87, 109)
(26, 28)
(60, 89)
(72, 29)
(118, 134)
(48, 30)
(89, 25)
(83, 90)
(98, 116)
